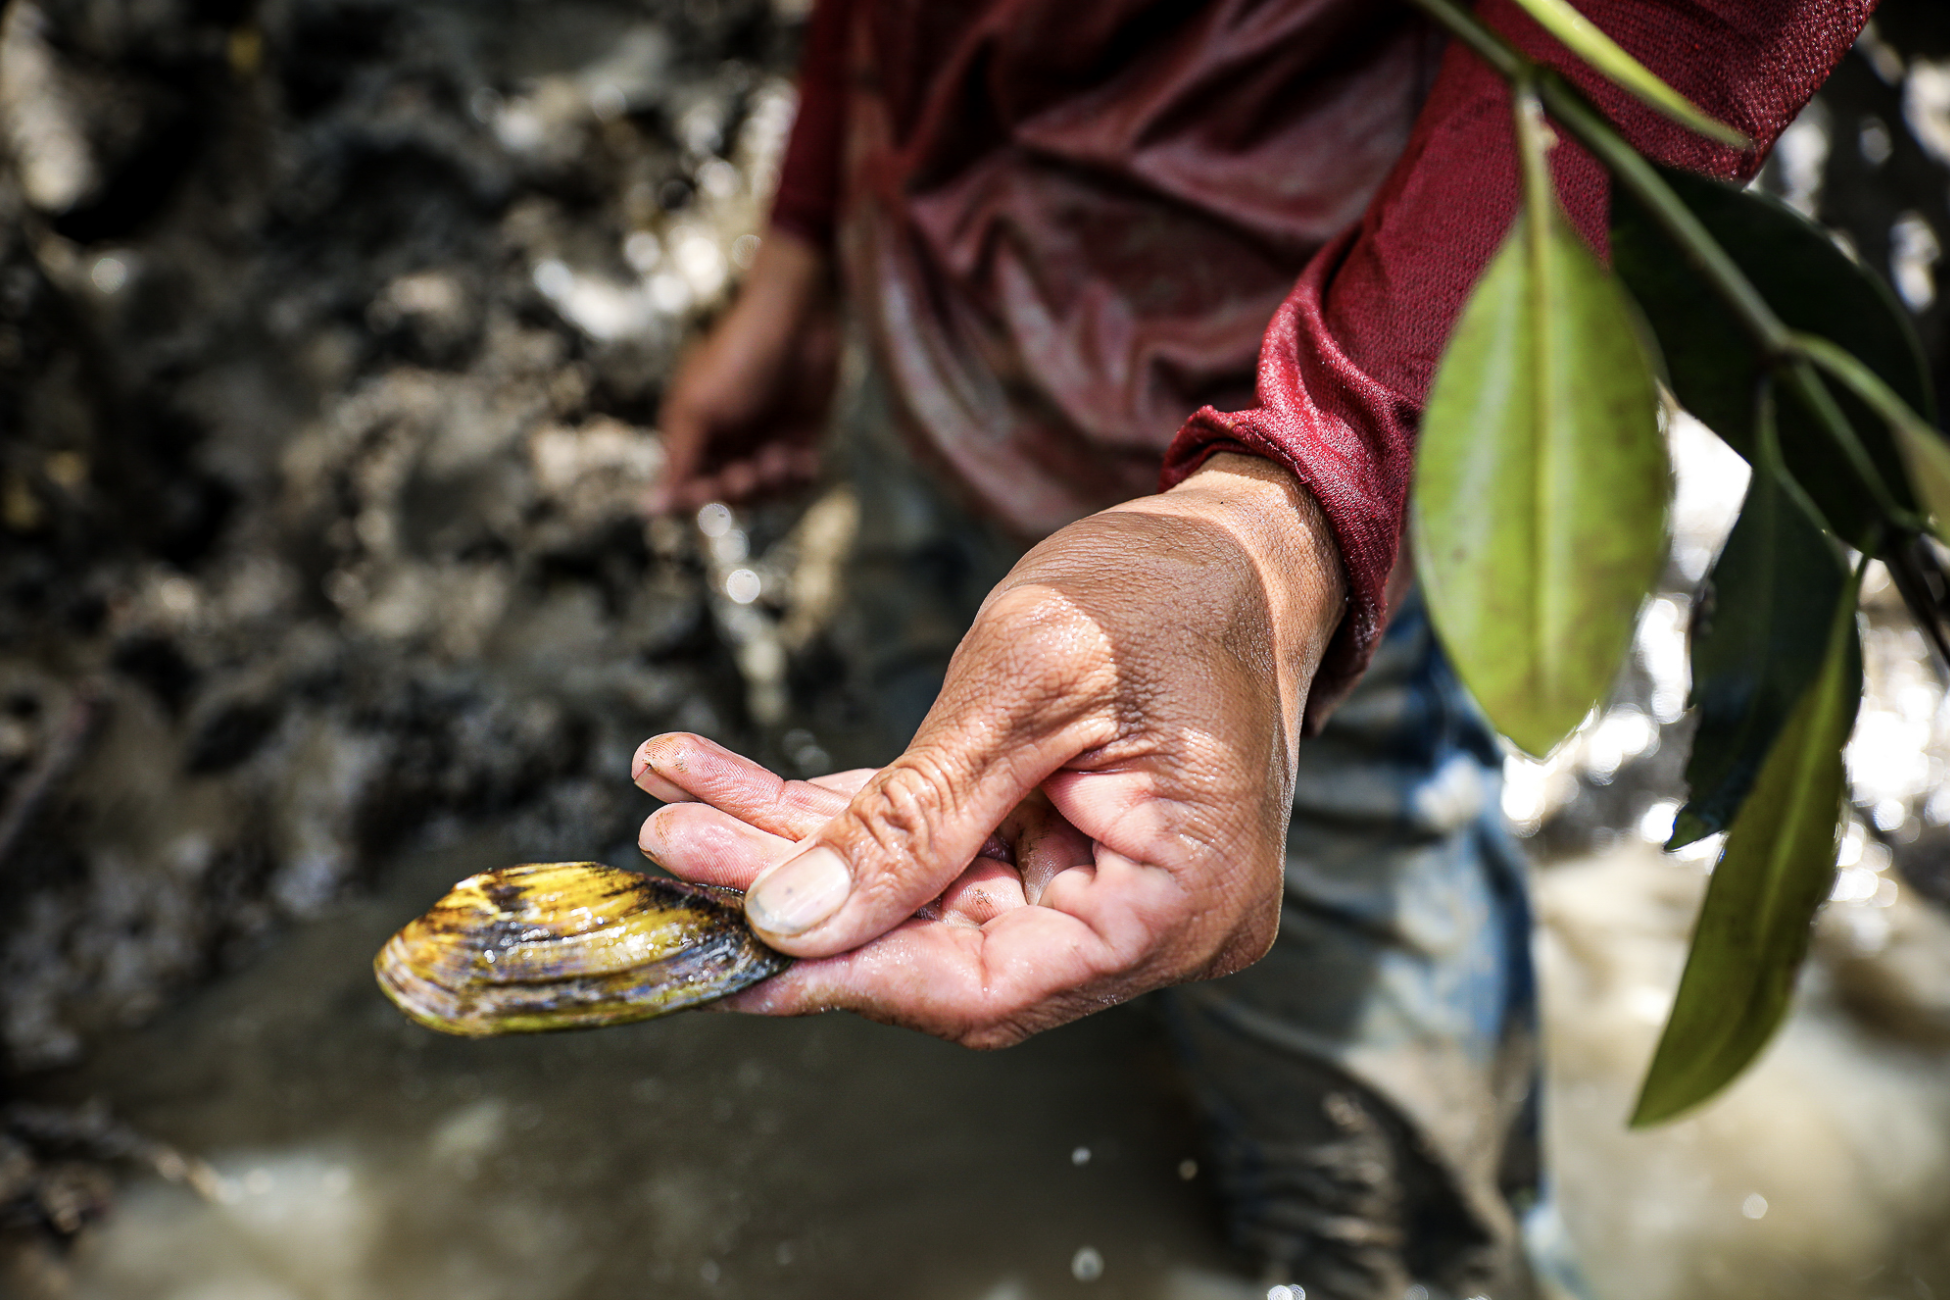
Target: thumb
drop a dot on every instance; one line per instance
(903, 839)
(1018, 703)
(997, 731)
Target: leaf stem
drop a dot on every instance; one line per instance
(1770, 460)
(1915, 590)
(1814, 394)
(1859, 379)
(1533, 150)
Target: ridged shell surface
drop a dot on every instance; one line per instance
(569, 945)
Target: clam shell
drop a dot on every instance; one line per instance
(567, 945)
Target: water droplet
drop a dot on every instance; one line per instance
(1086, 1265)
(1755, 1206)
(1080, 1156)
(1188, 1169)
(109, 274)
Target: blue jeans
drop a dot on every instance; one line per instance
(1369, 1086)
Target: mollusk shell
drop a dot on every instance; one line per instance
(567, 945)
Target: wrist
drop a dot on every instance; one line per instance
(790, 274)
(1284, 533)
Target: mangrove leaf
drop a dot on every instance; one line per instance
(1541, 484)
(1760, 627)
(1777, 867)
(1713, 365)
(1588, 42)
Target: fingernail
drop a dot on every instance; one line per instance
(795, 896)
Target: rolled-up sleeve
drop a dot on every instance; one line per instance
(807, 201)
(1346, 362)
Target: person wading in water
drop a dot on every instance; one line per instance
(1204, 709)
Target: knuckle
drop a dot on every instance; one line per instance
(1033, 603)
(903, 819)
(1040, 624)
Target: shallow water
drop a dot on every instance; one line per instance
(706, 1155)
(709, 1155)
(1823, 1173)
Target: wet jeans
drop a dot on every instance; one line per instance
(1369, 1087)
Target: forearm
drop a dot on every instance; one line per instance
(790, 278)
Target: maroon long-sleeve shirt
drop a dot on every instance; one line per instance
(1068, 225)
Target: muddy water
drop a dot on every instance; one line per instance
(706, 1155)
(720, 1156)
(1823, 1173)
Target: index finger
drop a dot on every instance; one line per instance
(679, 767)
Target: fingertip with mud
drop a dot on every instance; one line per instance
(655, 758)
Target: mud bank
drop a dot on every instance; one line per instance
(331, 336)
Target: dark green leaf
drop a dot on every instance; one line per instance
(1759, 631)
(1812, 285)
(1541, 486)
(1777, 867)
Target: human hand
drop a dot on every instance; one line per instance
(746, 407)
(1124, 710)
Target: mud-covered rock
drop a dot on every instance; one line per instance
(330, 336)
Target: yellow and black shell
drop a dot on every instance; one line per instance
(569, 945)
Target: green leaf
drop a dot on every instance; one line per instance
(1928, 459)
(1759, 631)
(1541, 485)
(1777, 867)
(1588, 42)
(1713, 365)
